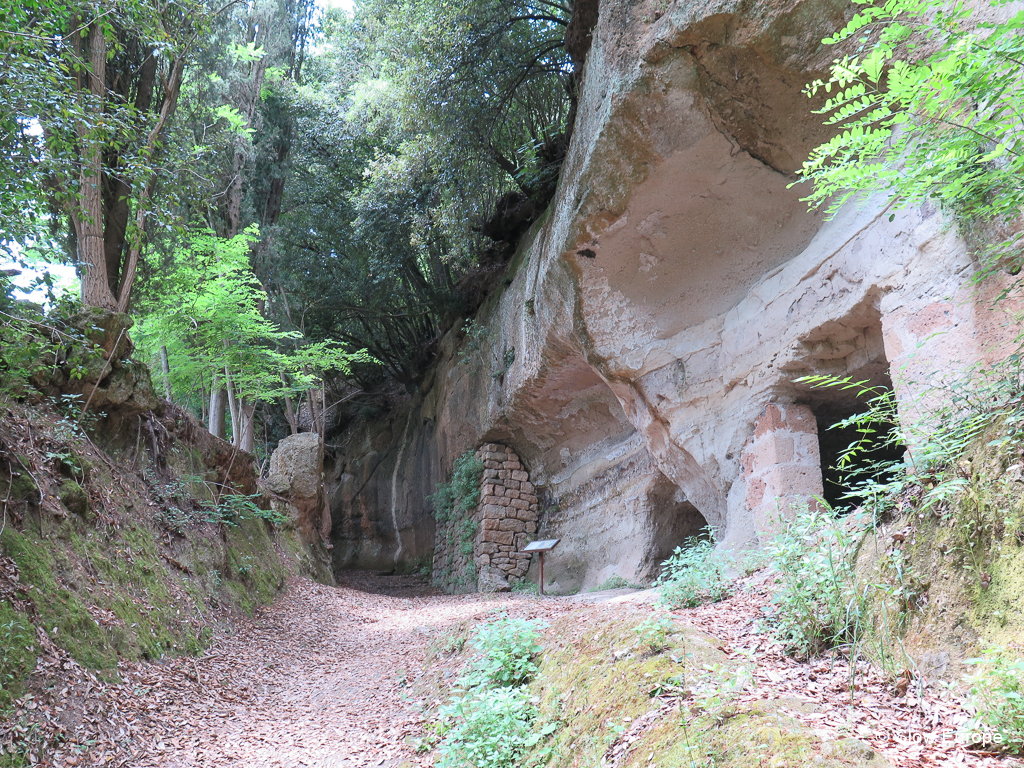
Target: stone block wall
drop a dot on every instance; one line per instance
(454, 547)
(480, 549)
(781, 465)
(508, 514)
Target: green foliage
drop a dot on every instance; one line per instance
(654, 632)
(74, 138)
(415, 117)
(506, 651)
(37, 346)
(716, 686)
(524, 586)
(491, 729)
(815, 601)
(476, 336)
(996, 699)
(869, 477)
(233, 508)
(955, 412)
(462, 493)
(695, 573)
(617, 582)
(17, 653)
(205, 311)
(502, 366)
(180, 511)
(929, 108)
(491, 722)
(466, 531)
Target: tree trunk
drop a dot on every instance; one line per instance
(218, 397)
(87, 215)
(247, 415)
(165, 366)
(311, 402)
(248, 100)
(236, 428)
(168, 106)
(289, 410)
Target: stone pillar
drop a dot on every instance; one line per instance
(781, 465)
(508, 517)
(480, 549)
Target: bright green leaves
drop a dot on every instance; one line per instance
(235, 120)
(931, 109)
(206, 311)
(245, 52)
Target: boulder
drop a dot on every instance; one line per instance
(492, 580)
(296, 473)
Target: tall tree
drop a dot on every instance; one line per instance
(116, 69)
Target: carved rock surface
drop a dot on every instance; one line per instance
(677, 288)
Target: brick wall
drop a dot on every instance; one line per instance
(480, 549)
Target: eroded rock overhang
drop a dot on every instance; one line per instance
(642, 362)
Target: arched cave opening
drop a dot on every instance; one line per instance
(674, 521)
(853, 348)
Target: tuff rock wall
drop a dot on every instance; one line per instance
(660, 313)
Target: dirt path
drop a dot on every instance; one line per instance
(320, 679)
(323, 679)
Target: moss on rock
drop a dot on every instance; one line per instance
(17, 653)
(74, 498)
(601, 684)
(963, 558)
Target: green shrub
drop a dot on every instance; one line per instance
(490, 729)
(506, 648)
(653, 633)
(617, 582)
(996, 698)
(815, 604)
(462, 493)
(694, 574)
(232, 508)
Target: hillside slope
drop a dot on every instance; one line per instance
(128, 531)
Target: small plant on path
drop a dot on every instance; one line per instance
(996, 698)
(492, 728)
(507, 649)
(815, 600)
(695, 573)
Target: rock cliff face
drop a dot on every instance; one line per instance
(643, 360)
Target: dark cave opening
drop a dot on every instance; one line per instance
(874, 459)
(674, 520)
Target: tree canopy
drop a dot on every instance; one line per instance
(283, 198)
(929, 108)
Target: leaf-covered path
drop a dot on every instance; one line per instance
(324, 679)
(319, 679)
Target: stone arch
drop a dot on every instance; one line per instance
(674, 520)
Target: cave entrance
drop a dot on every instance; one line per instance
(874, 461)
(853, 347)
(674, 521)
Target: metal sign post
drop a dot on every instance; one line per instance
(540, 547)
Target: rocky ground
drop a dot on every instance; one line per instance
(334, 677)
